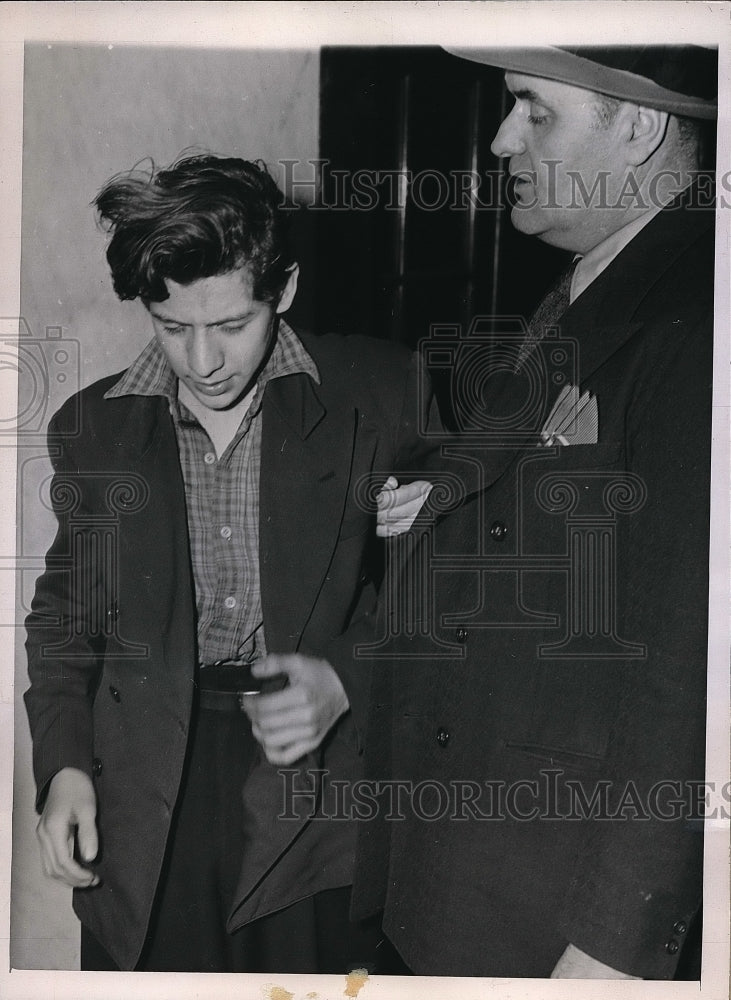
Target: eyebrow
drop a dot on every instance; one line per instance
(526, 94)
(208, 326)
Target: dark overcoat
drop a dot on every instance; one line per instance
(542, 691)
(112, 635)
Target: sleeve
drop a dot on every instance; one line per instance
(420, 429)
(417, 435)
(65, 629)
(637, 883)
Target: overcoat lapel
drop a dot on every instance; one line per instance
(600, 321)
(306, 464)
(146, 446)
(603, 319)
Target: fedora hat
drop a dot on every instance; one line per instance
(680, 79)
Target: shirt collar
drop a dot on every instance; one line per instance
(601, 256)
(151, 375)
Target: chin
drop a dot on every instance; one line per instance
(536, 224)
(528, 221)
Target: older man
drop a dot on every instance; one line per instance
(543, 712)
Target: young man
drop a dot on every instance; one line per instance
(213, 533)
(551, 693)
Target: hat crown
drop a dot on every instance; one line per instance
(679, 79)
(685, 69)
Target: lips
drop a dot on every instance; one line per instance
(212, 388)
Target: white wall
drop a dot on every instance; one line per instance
(90, 112)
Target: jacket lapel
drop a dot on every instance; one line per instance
(306, 463)
(145, 444)
(608, 313)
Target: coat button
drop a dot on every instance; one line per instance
(461, 634)
(672, 947)
(442, 736)
(115, 694)
(96, 767)
(680, 927)
(498, 530)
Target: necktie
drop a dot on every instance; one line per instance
(549, 311)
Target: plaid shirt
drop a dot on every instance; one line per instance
(222, 499)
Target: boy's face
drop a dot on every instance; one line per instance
(216, 335)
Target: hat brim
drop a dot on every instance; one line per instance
(565, 67)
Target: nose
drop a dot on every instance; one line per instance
(509, 139)
(204, 354)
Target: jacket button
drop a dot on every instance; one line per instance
(96, 767)
(680, 927)
(498, 530)
(672, 947)
(461, 634)
(442, 736)
(114, 693)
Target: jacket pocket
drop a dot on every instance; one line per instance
(569, 713)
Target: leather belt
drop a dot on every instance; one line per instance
(220, 701)
(222, 685)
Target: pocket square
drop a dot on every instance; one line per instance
(574, 419)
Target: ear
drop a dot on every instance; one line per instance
(290, 289)
(646, 131)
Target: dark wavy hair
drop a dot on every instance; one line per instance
(202, 216)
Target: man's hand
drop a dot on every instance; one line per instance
(290, 723)
(576, 964)
(399, 505)
(69, 818)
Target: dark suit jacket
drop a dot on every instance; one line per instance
(558, 636)
(111, 634)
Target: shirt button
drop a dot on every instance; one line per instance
(226, 532)
(680, 927)
(498, 530)
(230, 603)
(442, 736)
(116, 696)
(209, 458)
(96, 767)
(461, 634)
(672, 947)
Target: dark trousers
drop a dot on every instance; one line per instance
(188, 928)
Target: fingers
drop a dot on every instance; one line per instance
(386, 492)
(398, 508)
(284, 756)
(301, 719)
(57, 838)
(293, 721)
(392, 498)
(393, 528)
(274, 663)
(286, 745)
(69, 818)
(258, 706)
(284, 748)
(87, 837)
(277, 722)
